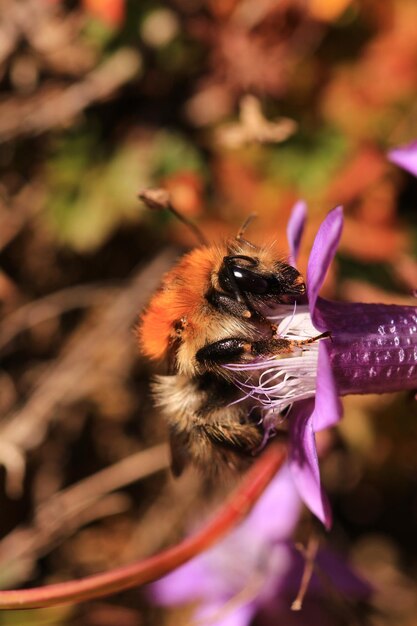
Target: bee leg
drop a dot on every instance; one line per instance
(237, 308)
(279, 345)
(236, 349)
(276, 345)
(223, 302)
(179, 449)
(174, 342)
(223, 351)
(303, 342)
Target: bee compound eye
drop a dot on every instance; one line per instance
(249, 281)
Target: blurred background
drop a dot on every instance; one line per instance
(234, 106)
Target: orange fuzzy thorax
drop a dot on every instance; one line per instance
(179, 297)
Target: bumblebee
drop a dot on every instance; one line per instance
(208, 312)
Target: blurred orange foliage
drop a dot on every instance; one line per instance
(112, 12)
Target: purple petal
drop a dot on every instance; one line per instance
(225, 615)
(322, 254)
(328, 408)
(277, 512)
(405, 157)
(304, 462)
(295, 229)
(187, 583)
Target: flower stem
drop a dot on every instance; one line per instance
(147, 570)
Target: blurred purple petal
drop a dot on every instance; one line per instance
(304, 462)
(322, 254)
(295, 229)
(405, 157)
(328, 408)
(214, 577)
(277, 512)
(184, 584)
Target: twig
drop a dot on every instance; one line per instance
(17, 210)
(238, 506)
(70, 376)
(56, 105)
(135, 467)
(69, 509)
(162, 523)
(158, 199)
(49, 306)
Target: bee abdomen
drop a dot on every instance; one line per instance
(206, 429)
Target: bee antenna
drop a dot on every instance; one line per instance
(160, 199)
(243, 228)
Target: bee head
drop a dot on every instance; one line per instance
(243, 275)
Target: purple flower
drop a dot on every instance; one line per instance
(253, 558)
(372, 349)
(255, 571)
(405, 157)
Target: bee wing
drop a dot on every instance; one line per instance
(180, 457)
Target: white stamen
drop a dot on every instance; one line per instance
(278, 381)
